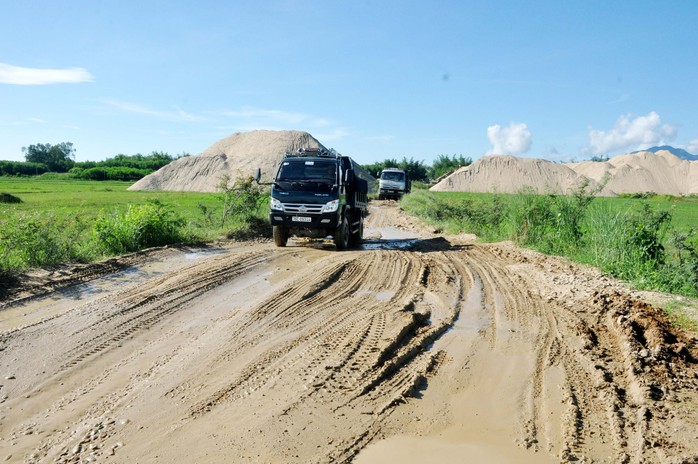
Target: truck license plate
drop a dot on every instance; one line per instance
(300, 219)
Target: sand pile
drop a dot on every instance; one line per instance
(509, 174)
(237, 155)
(661, 172)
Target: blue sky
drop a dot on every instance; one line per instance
(372, 79)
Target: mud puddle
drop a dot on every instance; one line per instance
(65, 299)
(388, 238)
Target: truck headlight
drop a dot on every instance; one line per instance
(276, 205)
(331, 206)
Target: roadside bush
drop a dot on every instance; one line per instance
(483, 216)
(533, 220)
(242, 209)
(139, 227)
(37, 239)
(606, 239)
(637, 245)
(646, 233)
(686, 257)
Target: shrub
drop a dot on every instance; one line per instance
(646, 231)
(111, 173)
(37, 239)
(241, 198)
(141, 226)
(533, 220)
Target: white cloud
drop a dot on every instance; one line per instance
(176, 115)
(692, 147)
(630, 133)
(512, 140)
(17, 75)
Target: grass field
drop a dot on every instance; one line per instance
(684, 210)
(72, 196)
(62, 220)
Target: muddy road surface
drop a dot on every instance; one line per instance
(414, 348)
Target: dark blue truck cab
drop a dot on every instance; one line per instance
(316, 193)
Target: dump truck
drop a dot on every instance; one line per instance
(393, 183)
(316, 193)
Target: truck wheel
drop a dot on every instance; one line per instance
(356, 237)
(280, 235)
(341, 235)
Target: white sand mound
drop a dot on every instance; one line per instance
(509, 174)
(661, 172)
(237, 155)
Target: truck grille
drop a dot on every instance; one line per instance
(302, 209)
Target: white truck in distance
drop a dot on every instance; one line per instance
(393, 183)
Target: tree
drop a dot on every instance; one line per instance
(58, 158)
(376, 168)
(416, 169)
(443, 164)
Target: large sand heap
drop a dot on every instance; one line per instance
(661, 172)
(509, 174)
(237, 155)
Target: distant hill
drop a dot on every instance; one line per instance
(681, 153)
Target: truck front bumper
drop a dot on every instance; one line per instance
(390, 192)
(304, 221)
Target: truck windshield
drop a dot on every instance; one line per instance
(390, 175)
(308, 170)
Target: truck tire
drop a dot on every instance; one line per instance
(356, 237)
(280, 235)
(341, 235)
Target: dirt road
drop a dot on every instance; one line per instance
(414, 348)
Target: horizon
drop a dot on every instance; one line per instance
(374, 81)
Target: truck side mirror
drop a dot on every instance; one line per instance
(348, 176)
(257, 175)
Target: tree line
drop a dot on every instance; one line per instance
(42, 158)
(417, 170)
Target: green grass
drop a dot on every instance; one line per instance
(684, 210)
(66, 220)
(71, 196)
